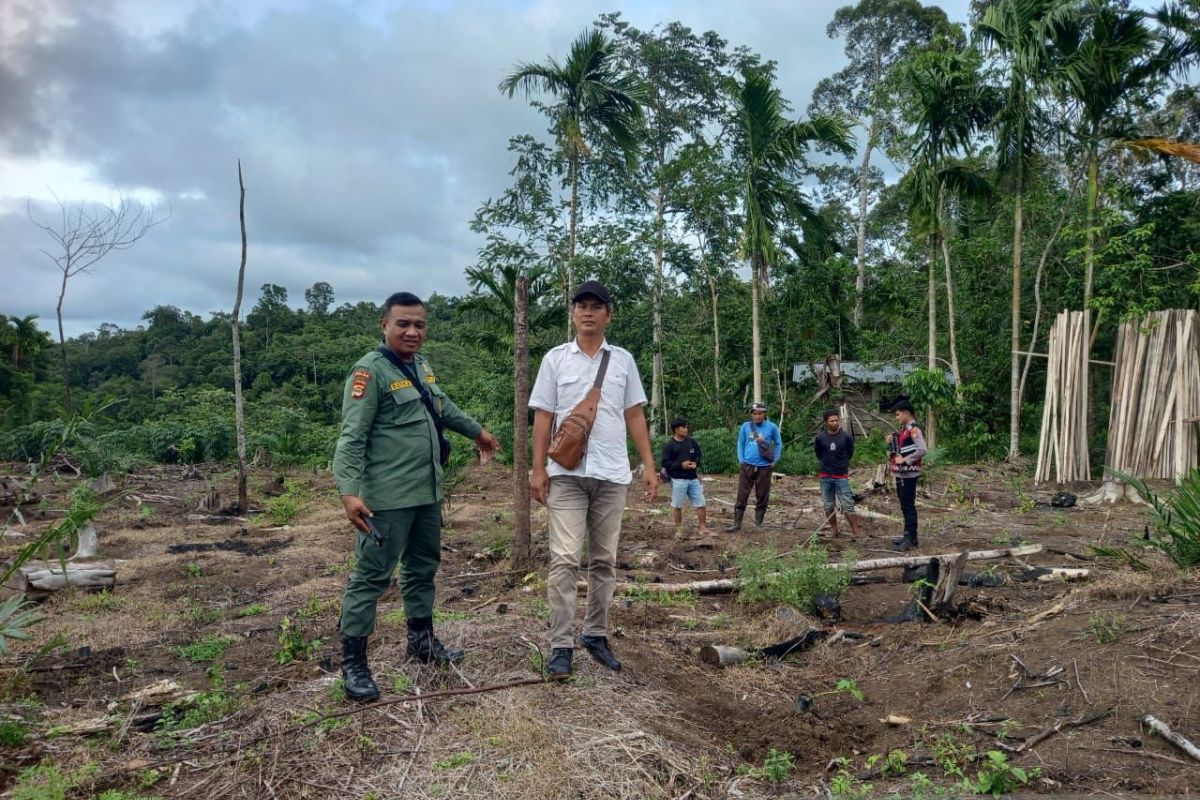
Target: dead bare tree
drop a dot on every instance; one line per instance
(235, 321)
(84, 234)
(521, 522)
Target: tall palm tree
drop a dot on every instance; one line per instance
(1109, 57)
(494, 301)
(947, 104)
(1020, 30)
(771, 150)
(25, 339)
(597, 103)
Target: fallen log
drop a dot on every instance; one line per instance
(45, 577)
(722, 585)
(1051, 574)
(719, 655)
(1164, 730)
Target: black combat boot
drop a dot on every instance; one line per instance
(424, 646)
(356, 675)
(598, 647)
(736, 525)
(906, 543)
(759, 513)
(559, 668)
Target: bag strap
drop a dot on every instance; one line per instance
(603, 369)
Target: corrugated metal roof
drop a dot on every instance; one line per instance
(863, 372)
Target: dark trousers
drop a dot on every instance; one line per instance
(760, 479)
(412, 537)
(906, 490)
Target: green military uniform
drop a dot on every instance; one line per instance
(388, 455)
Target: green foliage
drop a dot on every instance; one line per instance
(793, 579)
(643, 592)
(1106, 628)
(455, 761)
(205, 707)
(775, 768)
(13, 733)
(894, 763)
(1177, 518)
(16, 617)
(117, 794)
(209, 648)
(293, 644)
(951, 755)
(252, 610)
(998, 777)
(46, 781)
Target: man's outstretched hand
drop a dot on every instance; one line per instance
(488, 445)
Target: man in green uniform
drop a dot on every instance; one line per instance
(388, 467)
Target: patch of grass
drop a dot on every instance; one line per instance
(97, 601)
(314, 607)
(194, 570)
(209, 648)
(455, 761)
(844, 786)
(794, 579)
(894, 763)
(252, 610)
(646, 593)
(13, 733)
(444, 615)
(46, 781)
(401, 683)
(395, 617)
(951, 755)
(284, 508)
(117, 794)
(1106, 628)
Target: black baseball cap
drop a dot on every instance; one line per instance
(678, 422)
(903, 405)
(594, 288)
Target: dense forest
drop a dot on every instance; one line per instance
(937, 200)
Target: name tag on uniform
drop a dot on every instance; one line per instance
(404, 384)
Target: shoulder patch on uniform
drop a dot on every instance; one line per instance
(404, 384)
(358, 383)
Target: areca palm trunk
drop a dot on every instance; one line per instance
(931, 418)
(1089, 247)
(571, 233)
(1014, 365)
(521, 513)
(756, 264)
(950, 324)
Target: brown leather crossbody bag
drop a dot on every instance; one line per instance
(570, 440)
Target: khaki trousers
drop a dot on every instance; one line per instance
(582, 511)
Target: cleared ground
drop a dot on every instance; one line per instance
(204, 603)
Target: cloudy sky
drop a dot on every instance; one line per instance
(368, 131)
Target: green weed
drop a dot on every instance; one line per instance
(194, 570)
(643, 592)
(210, 648)
(1106, 628)
(46, 781)
(997, 776)
(13, 733)
(795, 579)
(455, 761)
(99, 601)
(293, 646)
(1177, 518)
(203, 708)
(252, 610)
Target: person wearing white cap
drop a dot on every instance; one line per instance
(759, 447)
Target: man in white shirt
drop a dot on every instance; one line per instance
(586, 503)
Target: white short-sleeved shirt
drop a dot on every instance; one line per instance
(563, 380)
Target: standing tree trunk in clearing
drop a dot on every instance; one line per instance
(85, 234)
(755, 328)
(658, 412)
(931, 417)
(864, 172)
(951, 328)
(238, 408)
(521, 524)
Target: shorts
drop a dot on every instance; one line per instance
(686, 489)
(838, 488)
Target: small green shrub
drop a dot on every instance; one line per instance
(46, 781)
(201, 709)
(293, 645)
(1177, 519)
(16, 617)
(252, 610)
(210, 648)
(13, 733)
(794, 579)
(455, 761)
(1106, 628)
(997, 776)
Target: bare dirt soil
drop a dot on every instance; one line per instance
(203, 602)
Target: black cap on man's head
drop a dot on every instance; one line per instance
(903, 405)
(678, 422)
(758, 407)
(594, 289)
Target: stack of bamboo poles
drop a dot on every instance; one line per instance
(1152, 430)
(1063, 446)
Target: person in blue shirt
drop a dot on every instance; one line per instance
(759, 447)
